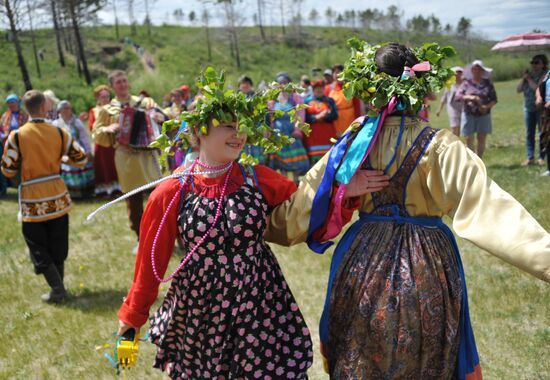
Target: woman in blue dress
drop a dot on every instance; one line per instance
(291, 158)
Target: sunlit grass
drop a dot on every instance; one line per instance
(509, 308)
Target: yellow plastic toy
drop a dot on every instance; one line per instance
(127, 349)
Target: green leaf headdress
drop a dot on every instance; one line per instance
(217, 105)
(364, 80)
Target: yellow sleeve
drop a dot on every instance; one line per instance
(482, 212)
(11, 159)
(289, 222)
(99, 133)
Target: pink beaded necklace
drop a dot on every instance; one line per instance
(219, 168)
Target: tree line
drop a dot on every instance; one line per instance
(67, 17)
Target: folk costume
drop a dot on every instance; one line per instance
(135, 166)
(35, 151)
(106, 178)
(397, 304)
(348, 110)
(10, 121)
(255, 151)
(318, 143)
(79, 181)
(229, 312)
(292, 157)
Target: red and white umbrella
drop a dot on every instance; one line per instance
(524, 42)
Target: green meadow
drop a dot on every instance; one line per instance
(509, 308)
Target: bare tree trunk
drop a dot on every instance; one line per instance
(116, 21)
(19, 52)
(57, 34)
(147, 18)
(237, 52)
(260, 20)
(282, 16)
(206, 20)
(33, 41)
(78, 66)
(133, 29)
(233, 31)
(299, 22)
(231, 44)
(67, 35)
(79, 43)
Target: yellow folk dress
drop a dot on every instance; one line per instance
(397, 297)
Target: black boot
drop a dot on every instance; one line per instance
(61, 269)
(58, 293)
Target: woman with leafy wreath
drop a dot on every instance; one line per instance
(397, 305)
(229, 313)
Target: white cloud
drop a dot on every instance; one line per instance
(493, 18)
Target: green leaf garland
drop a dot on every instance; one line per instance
(220, 105)
(363, 80)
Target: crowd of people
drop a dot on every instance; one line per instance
(470, 99)
(396, 305)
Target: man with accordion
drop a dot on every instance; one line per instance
(129, 124)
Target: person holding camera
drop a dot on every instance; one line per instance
(532, 114)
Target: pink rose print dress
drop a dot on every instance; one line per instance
(229, 313)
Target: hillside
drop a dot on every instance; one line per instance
(180, 52)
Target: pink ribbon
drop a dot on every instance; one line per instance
(419, 67)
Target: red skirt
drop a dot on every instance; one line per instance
(318, 142)
(106, 179)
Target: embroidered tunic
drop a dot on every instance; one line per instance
(229, 313)
(36, 150)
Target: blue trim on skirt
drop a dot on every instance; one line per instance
(468, 357)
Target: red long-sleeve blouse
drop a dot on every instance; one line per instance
(144, 290)
(143, 293)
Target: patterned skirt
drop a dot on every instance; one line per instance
(395, 305)
(291, 158)
(236, 321)
(79, 182)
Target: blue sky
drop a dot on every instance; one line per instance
(495, 19)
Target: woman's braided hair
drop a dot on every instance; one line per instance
(392, 59)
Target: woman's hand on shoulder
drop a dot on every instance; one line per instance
(366, 181)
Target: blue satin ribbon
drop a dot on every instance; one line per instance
(321, 202)
(357, 150)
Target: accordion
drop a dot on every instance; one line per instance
(137, 130)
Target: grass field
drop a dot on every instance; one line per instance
(510, 311)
